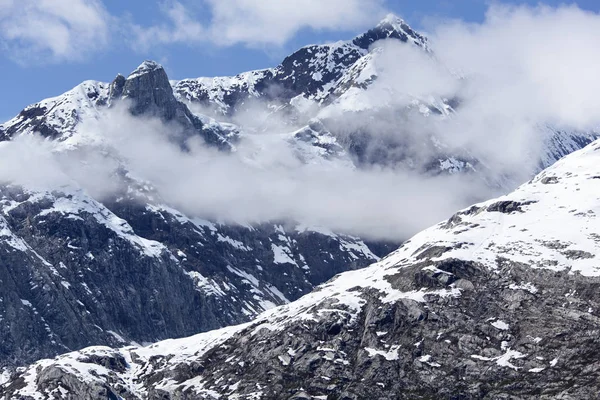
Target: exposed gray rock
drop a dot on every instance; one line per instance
(507, 207)
(451, 347)
(75, 273)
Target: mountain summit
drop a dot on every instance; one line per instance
(391, 27)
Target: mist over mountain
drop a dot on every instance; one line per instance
(146, 209)
(503, 295)
(382, 120)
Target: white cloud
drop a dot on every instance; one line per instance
(275, 21)
(523, 67)
(180, 28)
(257, 22)
(535, 61)
(519, 72)
(52, 30)
(378, 203)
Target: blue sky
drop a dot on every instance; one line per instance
(96, 39)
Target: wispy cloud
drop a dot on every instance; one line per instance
(51, 31)
(42, 31)
(179, 27)
(256, 22)
(378, 203)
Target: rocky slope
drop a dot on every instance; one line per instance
(76, 270)
(499, 301)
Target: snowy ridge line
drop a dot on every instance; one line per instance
(513, 227)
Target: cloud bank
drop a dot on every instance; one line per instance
(520, 70)
(523, 68)
(202, 182)
(515, 79)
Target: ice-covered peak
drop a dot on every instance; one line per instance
(392, 19)
(391, 27)
(146, 67)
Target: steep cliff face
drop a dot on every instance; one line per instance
(77, 272)
(499, 301)
(147, 92)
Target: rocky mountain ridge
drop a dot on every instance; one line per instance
(311, 72)
(69, 260)
(499, 301)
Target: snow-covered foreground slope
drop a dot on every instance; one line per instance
(499, 301)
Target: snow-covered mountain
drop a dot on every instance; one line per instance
(129, 267)
(499, 301)
(312, 72)
(147, 89)
(333, 84)
(327, 85)
(132, 268)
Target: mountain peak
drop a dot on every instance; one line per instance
(391, 27)
(146, 67)
(392, 19)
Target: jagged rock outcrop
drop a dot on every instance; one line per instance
(150, 94)
(147, 92)
(311, 72)
(499, 302)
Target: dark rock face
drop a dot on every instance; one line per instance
(74, 273)
(116, 88)
(149, 91)
(390, 28)
(149, 88)
(508, 207)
